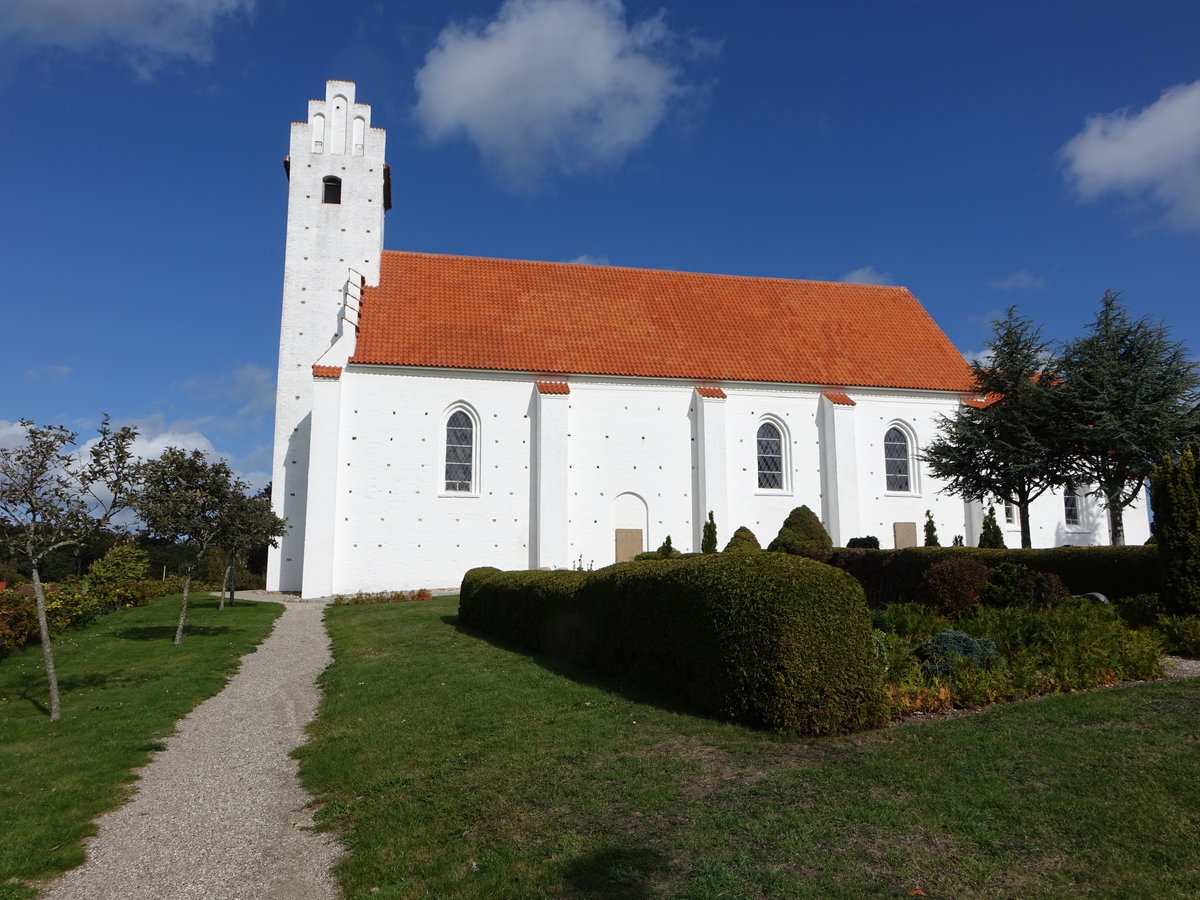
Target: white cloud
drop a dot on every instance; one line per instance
(54, 373)
(588, 260)
(867, 275)
(1153, 154)
(155, 435)
(11, 434)
(146, 32)
(552, 84)
(983, 357)
(1019, 281)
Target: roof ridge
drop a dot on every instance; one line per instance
(688, 272)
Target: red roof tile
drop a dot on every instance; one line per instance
(515, 315)
(839, 398)
(713, 393)
(553, 387)
(327, 371)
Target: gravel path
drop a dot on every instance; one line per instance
(220, 814)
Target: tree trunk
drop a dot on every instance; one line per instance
(39, 596)
(187, 586)
(227, 584)
(1026, 531)
(1116, 525)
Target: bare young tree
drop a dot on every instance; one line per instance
(184, 498)
(53, 496)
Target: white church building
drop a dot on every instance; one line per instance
(436, 413)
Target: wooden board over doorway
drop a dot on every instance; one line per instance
(629, 543)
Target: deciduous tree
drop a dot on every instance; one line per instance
(53, 496)
(248, 522)
(185, 497)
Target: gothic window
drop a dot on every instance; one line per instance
(333, 189)
(770, 457)
(897, 461)
(1071, 507)
(460, 452)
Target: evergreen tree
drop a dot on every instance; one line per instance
(803, 534)
(991, 537)
(931, 538)
(1132, 397)
(708, 543)
(1010, 442)
(1175, 493)
(665, 550)
(743, 541)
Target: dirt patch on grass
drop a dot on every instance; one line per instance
(708, 769)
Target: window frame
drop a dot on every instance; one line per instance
(331, 184)
(1072, 494)
(785, 458)
(910, 460)
(444, 490)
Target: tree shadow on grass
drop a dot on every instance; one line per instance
(159, 632)
(620, 873)
(634, 691)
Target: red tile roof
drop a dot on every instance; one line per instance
(713, 393)
(515, 315)
(981, 402)
(327, 371)
(839, 398)
(553, 387)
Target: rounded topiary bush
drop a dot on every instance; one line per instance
(803, 534)
(761, 638)
(951, 587)
(765, 639)
(743, 541)
(870, 542)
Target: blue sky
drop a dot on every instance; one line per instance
(979, 153)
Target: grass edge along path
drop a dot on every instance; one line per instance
(124, 686)
(455, 767)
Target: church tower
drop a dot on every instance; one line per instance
(338, 191)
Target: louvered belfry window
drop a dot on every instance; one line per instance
(460, 448)
(770, 457)
(895, 461)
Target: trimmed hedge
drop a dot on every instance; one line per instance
(765, 639)
(894, 576)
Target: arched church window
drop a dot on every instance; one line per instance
(770, 457)
(460, 452)
(897, 460)
(333, 189)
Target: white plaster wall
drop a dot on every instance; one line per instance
(629, 436)
(795, 411)
(395, 526)
(1048, 528)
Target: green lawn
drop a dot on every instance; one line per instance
(459, 768)
(123, 687)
